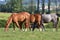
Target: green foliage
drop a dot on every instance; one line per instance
(12, 6)
(16, 5)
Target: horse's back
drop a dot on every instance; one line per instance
(54, 15)
(19, 16)
(25, 14)
(35, 17)
(49, 17)
(46, 17)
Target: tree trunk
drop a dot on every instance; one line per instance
(38, 6)
(48, 7)
(43, 6)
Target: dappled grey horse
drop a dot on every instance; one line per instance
(46, 18)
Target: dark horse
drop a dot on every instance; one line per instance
(36, 21)
(18, 19)
(46, 18)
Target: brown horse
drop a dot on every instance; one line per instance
(18, 19)
(36, 21)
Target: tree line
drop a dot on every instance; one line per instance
(17, 6)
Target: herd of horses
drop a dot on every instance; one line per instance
(31, 21)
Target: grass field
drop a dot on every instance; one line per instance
(29, 35)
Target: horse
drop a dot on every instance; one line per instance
(18, 19)
(36, 21)
(46, 18)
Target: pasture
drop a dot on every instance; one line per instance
(29, 35)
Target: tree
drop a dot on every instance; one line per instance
(16, 5)
(48, 7)
(56, 6)
(8, 6)
(37, 11)
(43, 6)
(32, 8)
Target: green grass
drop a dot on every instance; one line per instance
(29, 35)
(3, 18)
(4, 15)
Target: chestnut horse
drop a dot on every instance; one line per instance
(18, 19)
(36, 21)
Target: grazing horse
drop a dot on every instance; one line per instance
(36, 21)
(46, 18)
(18, 19)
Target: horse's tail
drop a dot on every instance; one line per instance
(8, 23)
(58, 15)
(57, 19)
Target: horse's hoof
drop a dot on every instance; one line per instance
(40, 29)
(25, 30)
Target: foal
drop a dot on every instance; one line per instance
(36, 21)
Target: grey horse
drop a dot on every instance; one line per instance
(46, 18)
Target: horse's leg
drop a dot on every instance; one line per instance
(33, 26)
(39, 26)
(26, 25)
(18, 24)
(14, 26)
(55, 22)
(55, 26)
(8, 23)
(42, 26)
(29, 26)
